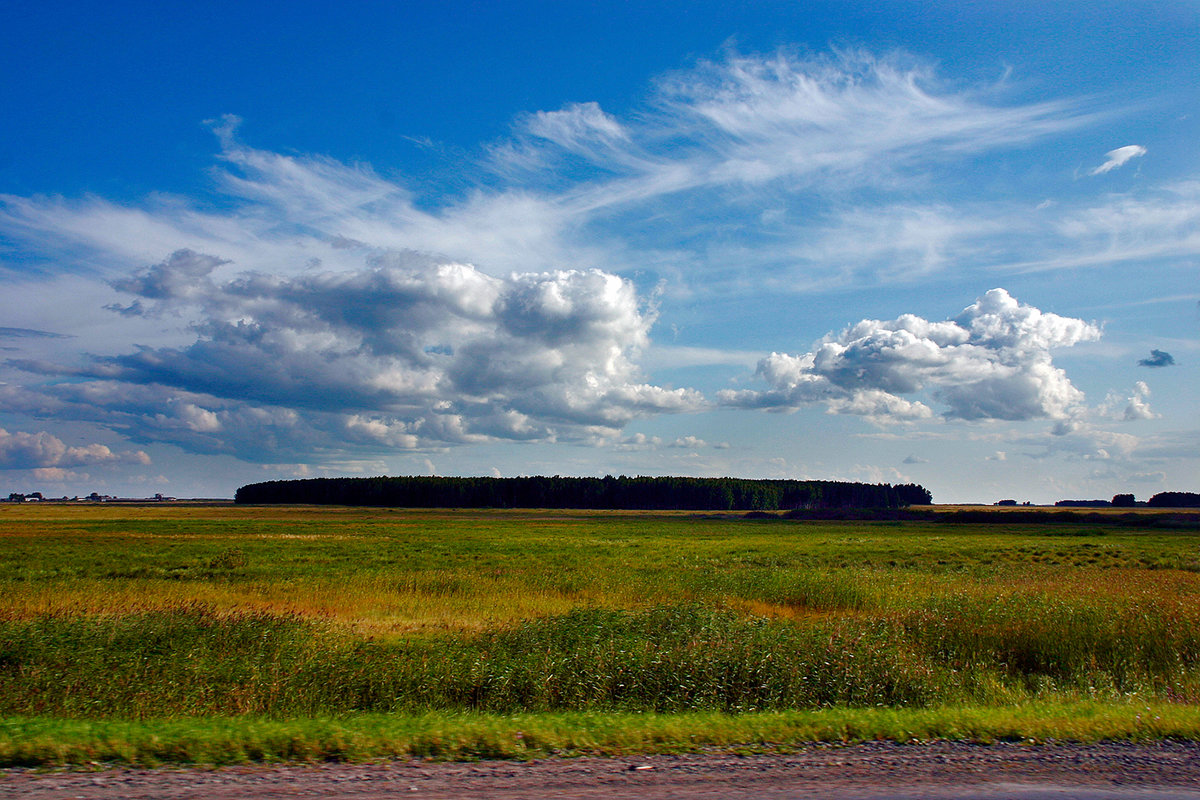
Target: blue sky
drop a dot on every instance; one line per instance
(954, 244)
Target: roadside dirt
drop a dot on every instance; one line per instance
(1164, 771)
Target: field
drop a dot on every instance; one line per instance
(219, 634)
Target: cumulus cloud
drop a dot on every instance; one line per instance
(1158, 358)
(42, 450)
(635, 442)
(992, 361)
(409, 351)
(1080, 439)
(1136, 406)
(911, 459)
(1118, 157)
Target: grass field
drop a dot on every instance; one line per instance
(228, 633)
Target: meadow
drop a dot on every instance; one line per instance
(219, 634)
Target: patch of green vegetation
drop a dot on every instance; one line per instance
(675, 658)
(216, 740)
(287, 616)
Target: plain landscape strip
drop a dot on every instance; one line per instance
(163, 634)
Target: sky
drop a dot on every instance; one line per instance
(953, 244)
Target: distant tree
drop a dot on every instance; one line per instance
(1124, 500)
(1175, 500)
(1007, 503)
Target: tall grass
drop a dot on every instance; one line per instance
(680, 658)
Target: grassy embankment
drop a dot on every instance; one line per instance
(224, 634)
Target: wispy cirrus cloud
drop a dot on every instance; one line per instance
(905, 242)
(1119, 157)
(850, 119)
(579, 187)
(683, 187)
(29, 333)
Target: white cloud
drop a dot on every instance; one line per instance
(636, 442)
(578, 186)
(407, 353)
(768, 117)
(43, 450)
(1136, 406)
(991, 362)
(578, 127)
(1118, 157)
(58, 475)
(312, 327)
(1160, 224)
(1082, 440)
(904, 242)
(689, 442)
(878, 406)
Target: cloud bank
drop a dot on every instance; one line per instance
(992, 361)
(408, 352)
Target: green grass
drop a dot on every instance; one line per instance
(213, 740)
(338, 633)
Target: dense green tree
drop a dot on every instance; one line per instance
(718, 494)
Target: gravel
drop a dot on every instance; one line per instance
(1160, 770)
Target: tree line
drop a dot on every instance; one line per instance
(1175, 500)
(1160, 500)
(645, 493)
